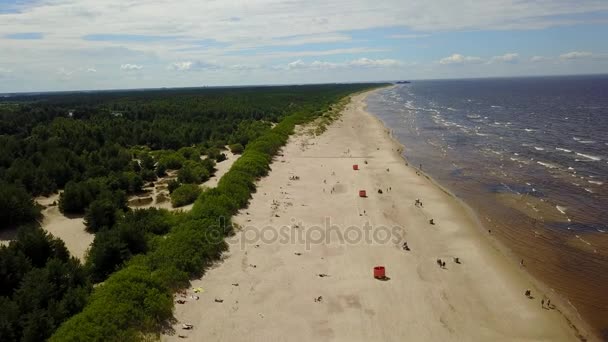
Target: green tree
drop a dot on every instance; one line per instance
(16, 206)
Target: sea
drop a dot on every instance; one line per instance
(530, 157)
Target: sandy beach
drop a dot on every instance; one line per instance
(267, 289)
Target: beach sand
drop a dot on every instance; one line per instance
(272, 290)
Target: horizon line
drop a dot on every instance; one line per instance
(31, 93)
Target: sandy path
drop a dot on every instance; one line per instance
(269, 287)
(69, 229)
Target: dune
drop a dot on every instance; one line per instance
(69, 229)
(301, 266)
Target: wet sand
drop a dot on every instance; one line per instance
(268, 289)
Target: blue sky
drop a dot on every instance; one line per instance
(90, 44)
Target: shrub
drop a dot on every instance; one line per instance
(147, 162)
(193, 173)
(172, 185)
(185, 194)
(161, 170)
(148, 175)
(172, 161)
(237, 148)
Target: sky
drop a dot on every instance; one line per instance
(52, 45)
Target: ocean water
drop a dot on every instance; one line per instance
(530, 156)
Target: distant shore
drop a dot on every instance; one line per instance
(318, 289)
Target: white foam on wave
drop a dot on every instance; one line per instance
(594, 158)
(481, 134)
(596, 182)
(588, 190)
(561, 209)
(539, 148)
(547, 165)
(586, 141)
(563, 149)
(529, 130)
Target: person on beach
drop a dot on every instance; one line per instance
(542, 303)
(549, 303)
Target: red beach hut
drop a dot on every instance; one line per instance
(379, 272)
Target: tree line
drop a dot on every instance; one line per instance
(99, 148)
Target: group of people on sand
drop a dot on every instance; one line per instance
(546, 300)
(294, 177)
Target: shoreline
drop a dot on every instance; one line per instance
(571, 313)
(480, 298)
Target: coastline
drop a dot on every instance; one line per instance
(567, 309)
(482, 298)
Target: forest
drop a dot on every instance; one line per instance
(99, 148)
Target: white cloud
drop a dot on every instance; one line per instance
(357, 63)
(324, 65)
(64, 73)
(180, 66)
(366, 62)
(537, 59)
(575, 55)
(299, 64)
(460, 59)
(314, 53)
(408, 36)
(506, 58)
(129, 67)
(5, 71)
(163, 32)
(193, 66)
(93, 70)
(243, 67)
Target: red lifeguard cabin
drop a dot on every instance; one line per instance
(362, 193)
(355, 167)
(379, 272)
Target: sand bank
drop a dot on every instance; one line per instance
(275, 284)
